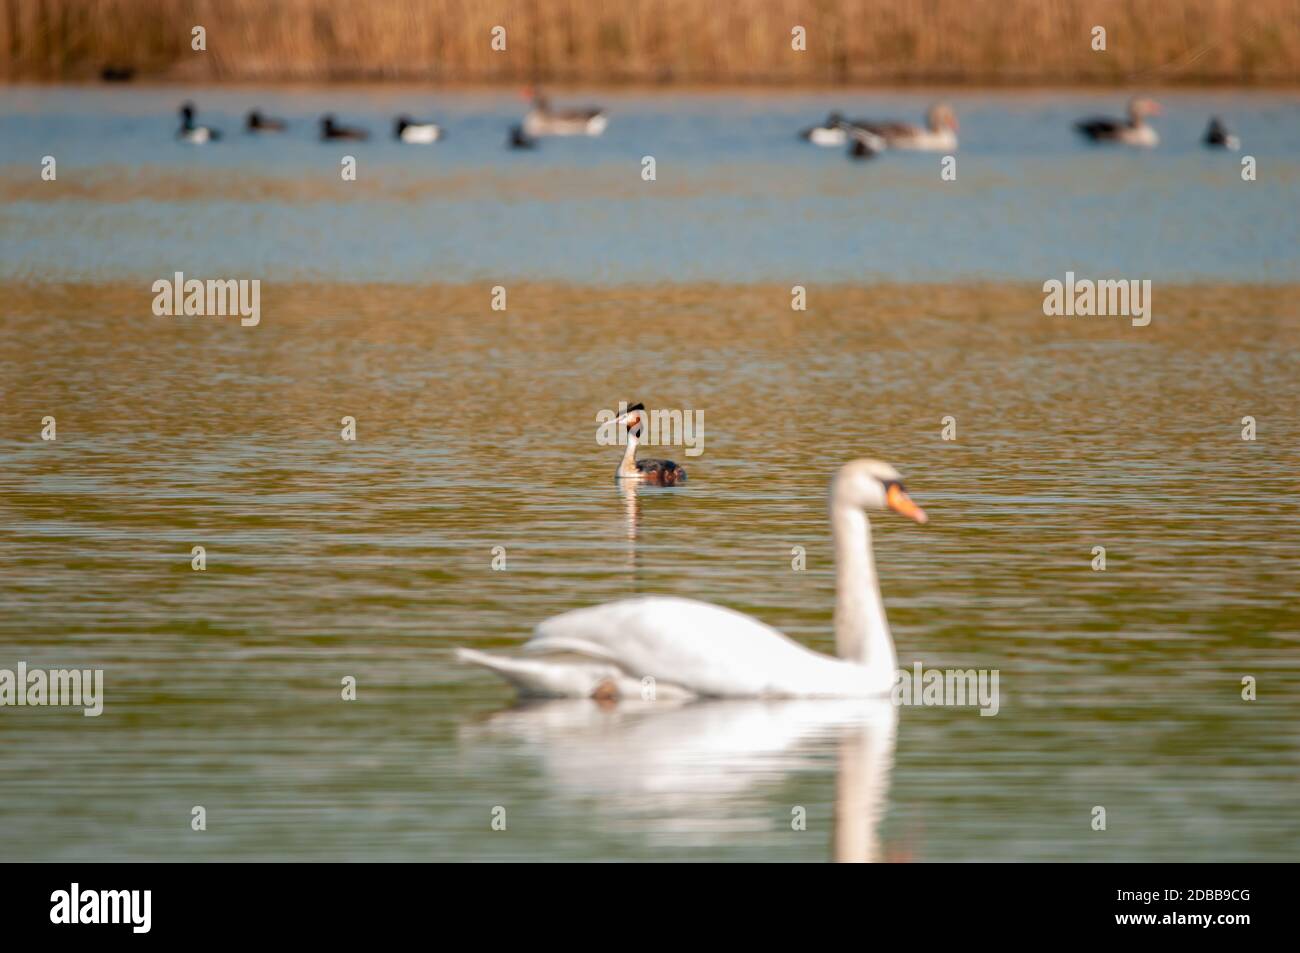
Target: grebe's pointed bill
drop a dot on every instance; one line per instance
(902, 504)
(633, 416)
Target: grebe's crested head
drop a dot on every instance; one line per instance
(633, 418)
(873, 485)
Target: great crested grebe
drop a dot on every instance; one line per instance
(658, 472)
(1131, 132)
(330, 130)
(693, 649)
(938, 135)
(542, 120)
(191, 132)
(1217, 136)
(409, 131)
(256, 122)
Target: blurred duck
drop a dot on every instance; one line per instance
(193, 133)
(520, 139)
(256, 122)
(542, 120)
(1218, 137)
(416, 133)
(830, 133)
(938, 135)
(1133, 132)
(330, 130)
(864, 145)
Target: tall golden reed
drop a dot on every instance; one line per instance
(1150, 42)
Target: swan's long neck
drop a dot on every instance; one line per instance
(861, 632)
(628, 466)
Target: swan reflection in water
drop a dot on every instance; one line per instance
(691, 765)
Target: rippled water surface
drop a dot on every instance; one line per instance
(476, 429)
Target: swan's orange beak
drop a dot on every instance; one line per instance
(902, 504)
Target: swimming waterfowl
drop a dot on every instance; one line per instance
(542, 120)
(938, 135)
(520, 139)
(658, 472)
(193, 133)
(256, 122)
(329, 130)
(694, 649)
(1131, 132)
(864, 145)
(830, 133)
(1218, 137)
(416, 133)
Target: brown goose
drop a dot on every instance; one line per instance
(542, 120)
(1133, 132)
(938, 135)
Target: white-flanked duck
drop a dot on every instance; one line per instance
(939, 134)
(542, 120)
(256, 122)
(1131, 132)
(409, 131)
(833, 132)
(331, 130)
(658, 472)
(193, 133)
(1217, 136)
(693, 649)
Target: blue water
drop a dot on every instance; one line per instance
(737, 196)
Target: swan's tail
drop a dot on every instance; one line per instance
(545, 677)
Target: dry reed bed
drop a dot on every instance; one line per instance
(1150, 42)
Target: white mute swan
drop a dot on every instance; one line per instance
(692, 648)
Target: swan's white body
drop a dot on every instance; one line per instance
(689, 648)
(665, 647)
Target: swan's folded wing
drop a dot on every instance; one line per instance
(703, 648)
